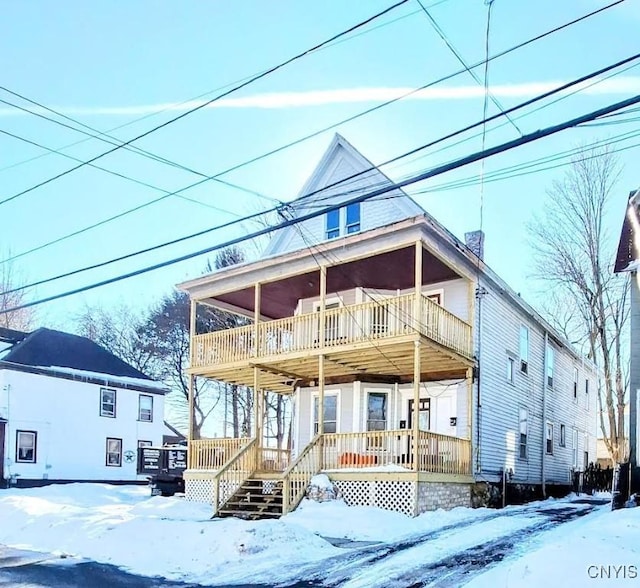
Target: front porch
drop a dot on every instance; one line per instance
(374, 467)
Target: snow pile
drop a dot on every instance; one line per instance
(599, 550)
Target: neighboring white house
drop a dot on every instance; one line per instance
(72, 411)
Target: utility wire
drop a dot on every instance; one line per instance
(439, 170)
(316, 133)
(462, 61)
(296, 202)
(106, 138)
(211, 101)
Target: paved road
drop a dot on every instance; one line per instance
(401, 564)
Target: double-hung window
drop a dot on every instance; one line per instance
(330, 413)
(145, 408)
(523, 433)
(332, 227)
(26, 443)
(524, 349)
(549, 438)
(563, 436)
(107, 402)
(353, 218)
(550, 365)
(575, 383)
(114, 452)
(510, 369)
(575, 449)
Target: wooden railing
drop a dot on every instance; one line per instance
(273, 460)
(388, 317)
(366, 449)
(444, 454)
(233, 474)
(445, 328)
(298, 475)
(441, 454)
(212, 454)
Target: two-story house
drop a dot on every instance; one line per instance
(72, 411)
(418, 376)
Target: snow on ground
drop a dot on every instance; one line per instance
(170, 537)
(600, 550)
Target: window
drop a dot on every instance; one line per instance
(549, 438)
(144, 444)
(550, 361)
(586, 387)
(435, 297)
(145, 408)
(330, 413)
(524, 349)
(523, 433)
(575, 448)
(333, 224)
(377, 411)
(114, 452)
(586, 452)
(563, 436)
(26, 444)
(353, 218)
(510, 368)
(107, 402)
(575, 383)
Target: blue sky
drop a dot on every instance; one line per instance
(108, 64)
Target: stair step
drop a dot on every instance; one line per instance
(247, 514)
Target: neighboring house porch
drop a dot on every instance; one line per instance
(366, 334)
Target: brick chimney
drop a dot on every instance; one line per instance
(475, 241)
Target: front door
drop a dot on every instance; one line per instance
(2, 428)
(424, 421)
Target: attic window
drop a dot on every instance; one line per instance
(353, 218)
(333, 224)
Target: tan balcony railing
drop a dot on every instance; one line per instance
(387, 318)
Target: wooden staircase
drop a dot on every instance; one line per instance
(255, 499)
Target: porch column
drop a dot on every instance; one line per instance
(258, 408)
(256, 320)
(416, 405)
(418, 286)
(192, 334)
(321, 407)
(323, 301)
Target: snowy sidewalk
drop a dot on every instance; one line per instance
(172, 538)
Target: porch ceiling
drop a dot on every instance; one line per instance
(391, 270)
(390, 361)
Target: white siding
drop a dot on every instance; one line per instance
(71, 434)
(501, 399)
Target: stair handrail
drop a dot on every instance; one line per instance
(299, 475)
(249, 451)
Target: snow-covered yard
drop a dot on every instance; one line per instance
(170, 537)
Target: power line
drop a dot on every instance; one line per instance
(462, 61)
(211, 101)
(559, 89)
(106, 138)
(472, 158)
(316, 133)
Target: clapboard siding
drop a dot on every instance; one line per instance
(501, 399)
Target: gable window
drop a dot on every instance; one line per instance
(524, 349)
(575, 448)
(550, 362)
(330, 413)
(353, 218)
(563, 436)
(523, 433)
(26, 443)
(114, 452)
(549, 438)
(332, 227)
(510, 369)
(575, 383)
(145, 408)
(107, 402)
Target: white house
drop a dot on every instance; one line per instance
(72, 411)
(418, 375)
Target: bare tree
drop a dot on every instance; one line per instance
(13, 294)
(574, 255)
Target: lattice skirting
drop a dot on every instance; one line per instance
(198, 490)
(388, 494)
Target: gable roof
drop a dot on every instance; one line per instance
(71, 356)
(341, 160)
(629, 236)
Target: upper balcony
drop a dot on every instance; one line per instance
(363, 303)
